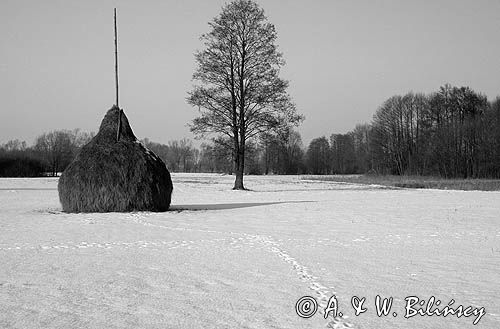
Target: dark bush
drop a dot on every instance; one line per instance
(20, 166)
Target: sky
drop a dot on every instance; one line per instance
(343, 59)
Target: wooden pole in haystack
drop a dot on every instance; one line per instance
(116, 83)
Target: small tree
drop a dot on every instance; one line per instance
(240, 93)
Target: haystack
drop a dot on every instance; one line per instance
(109, 175)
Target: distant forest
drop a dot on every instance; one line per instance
(454, 132)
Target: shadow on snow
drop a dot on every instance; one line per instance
(224, 206)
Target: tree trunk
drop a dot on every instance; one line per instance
(238, 182)
(239, 166)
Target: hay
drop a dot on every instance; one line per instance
(109, 176)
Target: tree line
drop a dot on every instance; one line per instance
(53, 151)
(50, 154)
(453, 132)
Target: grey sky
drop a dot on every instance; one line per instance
(344, 58)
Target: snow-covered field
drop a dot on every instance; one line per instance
(242, 259)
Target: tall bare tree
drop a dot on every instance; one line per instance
(240, 94)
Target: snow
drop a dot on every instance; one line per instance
(242, 259)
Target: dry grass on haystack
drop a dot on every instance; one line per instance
(115, 176)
